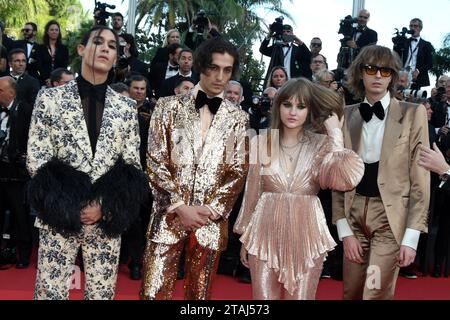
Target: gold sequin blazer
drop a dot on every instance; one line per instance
(184, 168)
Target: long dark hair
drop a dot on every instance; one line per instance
(46, 39)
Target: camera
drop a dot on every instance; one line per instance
(415, 95)
(400, 40)
(439, 93)
(277, 28)
(264, 103)
(123, 59)
(201, 22)
(346, 28)
(100, 13)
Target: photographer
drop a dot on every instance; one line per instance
(401, 85)
(101, 15)
(362, 35)
(15, 117)
(128, 61)
(287, 50)
(441, 114)
(200, 23)
(418, 57)
(260, 110)
(117, 22)
(438, 92)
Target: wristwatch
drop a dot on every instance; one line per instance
(446, 175)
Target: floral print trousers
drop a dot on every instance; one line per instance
(56, 258)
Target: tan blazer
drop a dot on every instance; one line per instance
(404, 185)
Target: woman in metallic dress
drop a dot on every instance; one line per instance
(284, 233)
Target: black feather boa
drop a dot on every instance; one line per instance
(58, 192)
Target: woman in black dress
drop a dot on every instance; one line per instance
(52, 54)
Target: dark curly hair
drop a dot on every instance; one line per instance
(203, 54)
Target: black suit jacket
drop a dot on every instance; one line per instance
(27, 88)
(300, 59)
(19, 121)
(32, 62)
(161, 56)
(367, 37)
(157, 76)
(439, 115)
(168, 85)
(45, 61)
(424, 61)
(138, 67)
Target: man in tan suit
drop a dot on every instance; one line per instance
(380, 221)
(197, 166)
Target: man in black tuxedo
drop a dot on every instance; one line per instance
(185, 62)
(362, 34)
(418, 56)
(295, 55)
(27, 86)
(15, 117)
(161, 71)
(29, 46)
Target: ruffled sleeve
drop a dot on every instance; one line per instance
(252, 192)
(336, 167)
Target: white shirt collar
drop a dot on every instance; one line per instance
(186, 76)
(384, 102)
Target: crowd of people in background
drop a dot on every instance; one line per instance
(298, 87)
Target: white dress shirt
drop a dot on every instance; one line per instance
(171, 73)
(370, 152)
(412, 54)
(287, 53)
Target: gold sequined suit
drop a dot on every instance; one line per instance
(184, 168)
(281, 220)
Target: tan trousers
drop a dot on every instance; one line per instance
(375, 279)
(161, 266)
(265, 285)
(56, 258)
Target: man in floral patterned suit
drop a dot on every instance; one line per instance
(87, 186)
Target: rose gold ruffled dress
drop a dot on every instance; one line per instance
(281, 219)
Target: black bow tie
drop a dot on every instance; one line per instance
(287, 45)
(213, 103)
(367, 111)
(173, 68)
(3, 109)
(414, 39)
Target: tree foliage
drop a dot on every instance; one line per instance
(236, 20)
(441, 59)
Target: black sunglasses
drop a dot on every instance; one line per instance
(316, 44)
(372, 70)
(27, 30)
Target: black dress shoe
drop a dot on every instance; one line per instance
(436, 271)
(408, 273)
(135, 273)
(244, 276)
(22, 264)
(7, 258)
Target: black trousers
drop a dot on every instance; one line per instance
(12, 198)
(133, 240)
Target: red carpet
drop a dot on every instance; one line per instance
(19, 284)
